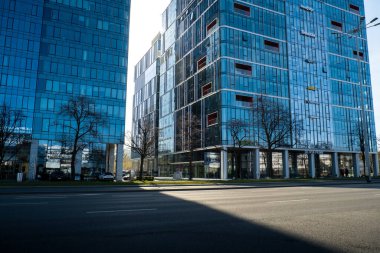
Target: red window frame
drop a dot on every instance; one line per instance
(206, 89)
(242, 9)
(336, 25)
(243, 69)
(212, 119)
(211, 25)
(201, 63)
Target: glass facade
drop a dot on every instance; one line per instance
(53, 50)
(221, 57)
(145, 101)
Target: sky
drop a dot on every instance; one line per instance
(145, 24)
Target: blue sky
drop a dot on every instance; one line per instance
(146, 23)
(372, 8)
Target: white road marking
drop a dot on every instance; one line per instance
(45, 197)
(287, 201)
(90, 194)
(20, 204)
(119, 211)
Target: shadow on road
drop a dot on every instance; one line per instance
(133, 222)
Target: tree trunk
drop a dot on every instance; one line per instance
(234, 165)
(238, 164)
(73, 158)
(191, 165)
(270, 163)
(141, 168)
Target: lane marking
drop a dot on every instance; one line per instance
(90, 194)
(20, 204)
(47, 197)
(287, 201)
(119, 211)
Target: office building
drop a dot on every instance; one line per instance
(54, 50)
(222, 58)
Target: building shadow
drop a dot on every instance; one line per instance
(134, 222)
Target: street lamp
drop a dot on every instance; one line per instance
(364, 124)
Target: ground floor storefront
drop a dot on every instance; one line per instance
(253, 164)
(40, 158)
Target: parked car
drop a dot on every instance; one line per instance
(129, 175)
(58, 175)
(107, 176)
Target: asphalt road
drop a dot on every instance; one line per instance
(344, 218)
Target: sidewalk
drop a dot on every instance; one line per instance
(22, 189)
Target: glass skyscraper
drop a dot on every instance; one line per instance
(54, 50)
(222, 57)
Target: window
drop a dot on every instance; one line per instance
(243, 69)
(271, 45)
(311, 88)
(212, 119)
(354, 8)
(242, 9)
(336, 25)
(206, 89)
(202, 63)
(361, 55)
(244, 100)
(211, 26)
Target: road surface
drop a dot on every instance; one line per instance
(341, 218)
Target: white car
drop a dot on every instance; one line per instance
(107, 176)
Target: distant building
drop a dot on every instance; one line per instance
(53, 50)
(145, 100)
(220, 58)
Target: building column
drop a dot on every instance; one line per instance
(356, 165)
(119, 162)
(78, 165)
(110, 158)
(294, 163)
(33, 160)
(311, 158)
(375, 159)
(223, 164)
(256, 163)
(285, 164)
(335, 165)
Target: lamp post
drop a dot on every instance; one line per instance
(364, 124)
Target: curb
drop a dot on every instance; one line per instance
(162, 188)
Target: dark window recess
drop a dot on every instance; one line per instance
(271, 45)
(242, 9)
(202, 63)
(211, 25)
(212, 119)
(206, 89)
(336, 25)
(243, 69)
(245, 100)
(361, 55)
(354, 8)
(244, 37)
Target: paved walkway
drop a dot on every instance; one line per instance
(22, 189)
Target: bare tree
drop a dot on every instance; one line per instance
(83, 125)
(358, 135)
(12, 136)
(190, 136)
(275, 127)
(239, 134)
(143, 142)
